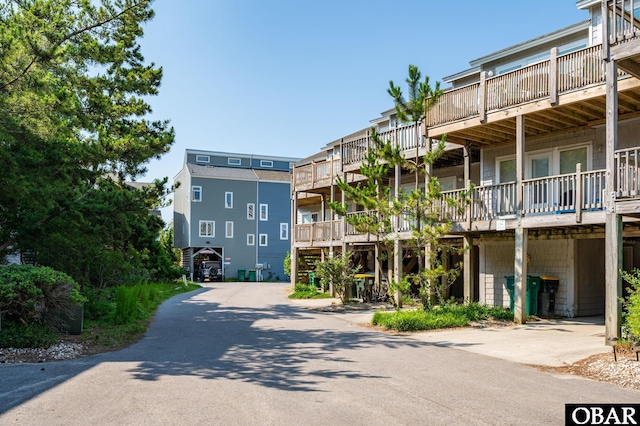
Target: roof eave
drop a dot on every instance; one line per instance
(581, 26)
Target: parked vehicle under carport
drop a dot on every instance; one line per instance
(210, 270)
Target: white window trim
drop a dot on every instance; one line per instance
(266, 240)
(234, 161)
(266, 163)
(228, 226)
(251, 239)
(193, 191)
(213, 228)
(203, 159)
(284, 227)
(251, 216)
(226, 196)
(266, 211)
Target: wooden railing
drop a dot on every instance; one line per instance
(351, 230)
(623, 26)
(455, 105)
(545, 79)
(405, 136)
(569, 193)
(316, 174)
(494, 201)
(519, 86)
(455, 210)
(581, 68)
(330, 230)
(627, 163)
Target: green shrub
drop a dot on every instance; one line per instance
(300, 288)
(18, 335)
(313, 294)
(447, 316)
(28, 292)
(100, 304)
(631, 303)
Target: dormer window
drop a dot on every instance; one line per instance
(234, 161)
(266, 163)
(202, 158)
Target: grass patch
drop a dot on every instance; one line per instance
(447, 316)
(305, 291)
(116, 317)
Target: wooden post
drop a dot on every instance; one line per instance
(467, 269)
(294, 266)
(520, 263)
(520, 165)
(482, 95)
(397, 268)
(577, 199)
(467, 181)
(553, 76)
(613, 223)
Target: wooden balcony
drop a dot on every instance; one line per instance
(316, 175)
(571, 199)
(319, 234)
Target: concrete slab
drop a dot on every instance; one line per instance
(547, 342)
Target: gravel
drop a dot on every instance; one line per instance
(58, 352)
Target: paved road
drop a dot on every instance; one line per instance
(243, 354)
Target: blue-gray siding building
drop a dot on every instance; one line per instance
(235, 208)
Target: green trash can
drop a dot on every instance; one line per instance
(241, 274)
(313, 280)
(533, 286)
(252, 275)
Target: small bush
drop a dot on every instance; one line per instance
(300, 287)
(631, 303)
(28, 292)
(32, 335)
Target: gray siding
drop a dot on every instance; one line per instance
(277, 196)
(181, 210)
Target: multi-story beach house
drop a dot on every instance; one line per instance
(234, 209)
(548, 132)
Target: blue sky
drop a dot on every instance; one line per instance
(285, 77)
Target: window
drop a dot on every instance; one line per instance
(570, 157)
(266, 163)
(447, 183)
(251, 211)
(507, 170)
(228, 229)
(284, 231)
(207, 228)
(202, 158)
(291, 166)
(196, 194)
(228, 200)
(251, 239)
(264, 212)
(263, 239)
(234, 161)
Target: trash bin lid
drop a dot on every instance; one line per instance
(549, 278)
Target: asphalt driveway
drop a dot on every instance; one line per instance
(242, 353)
